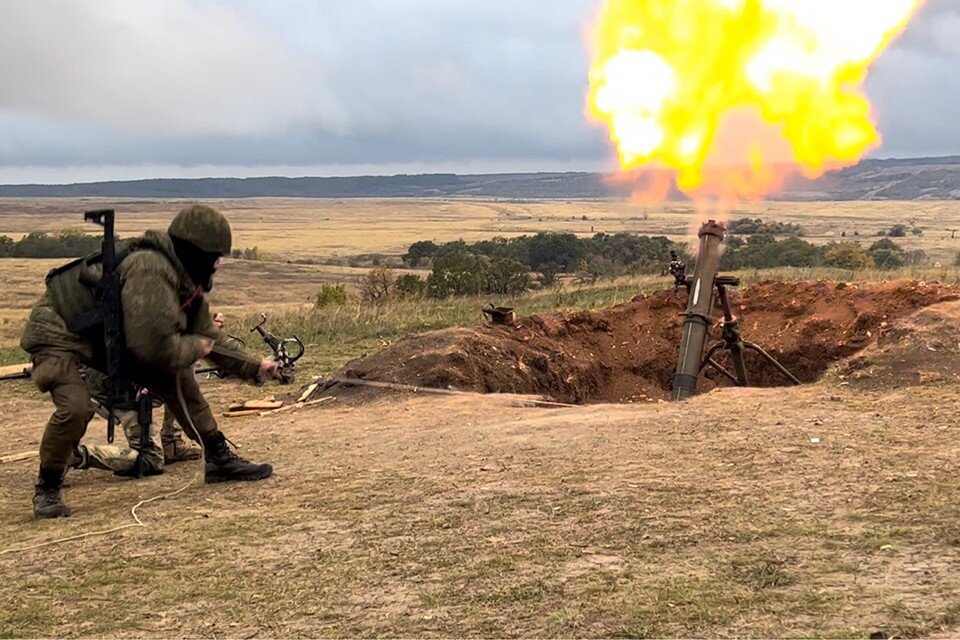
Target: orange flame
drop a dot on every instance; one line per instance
(725, 93)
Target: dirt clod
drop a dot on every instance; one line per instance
(628, 353)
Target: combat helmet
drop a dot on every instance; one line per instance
(204, 227)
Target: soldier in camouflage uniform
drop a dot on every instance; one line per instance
(165, 447)
(167, 328)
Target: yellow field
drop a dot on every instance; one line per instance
(327, 229)
(242, 287)
(335, 230)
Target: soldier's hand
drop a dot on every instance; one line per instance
(269, 369)
(207, 344)
(218, 320)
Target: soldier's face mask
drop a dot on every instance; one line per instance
(199, 264)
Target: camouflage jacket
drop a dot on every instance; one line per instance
(165, 315)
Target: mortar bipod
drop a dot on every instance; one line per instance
(732, 342)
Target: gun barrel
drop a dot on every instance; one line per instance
(696, 325)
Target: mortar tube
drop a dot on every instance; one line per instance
(696, 326)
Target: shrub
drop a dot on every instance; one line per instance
(887, 259)
(377, 285)
(410, 286)
(463, 273)
(847, 255)
(457, 274)
(69, 243)
(747, 227)
(915, 258)
(763, 251)
(251, 253)
(419, 253)
(886, 254)
(331, 295)
(897, 231)
(507, 276)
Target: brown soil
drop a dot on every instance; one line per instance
(828, 510)
(923, 349)
(628, 353)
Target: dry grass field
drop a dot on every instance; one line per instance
(332, 231)
(328, 229)
(828, 510)
(823, 511)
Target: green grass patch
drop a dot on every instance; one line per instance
(12, 355)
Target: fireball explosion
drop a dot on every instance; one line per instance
(726, 93)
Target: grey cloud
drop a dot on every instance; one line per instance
(933, 32)
(915, 86)
(340, 82)
(160, 67)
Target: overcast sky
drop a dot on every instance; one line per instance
(116, 89)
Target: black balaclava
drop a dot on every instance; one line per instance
(199, 265)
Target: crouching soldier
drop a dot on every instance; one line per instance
(167, 329)
(163, 448)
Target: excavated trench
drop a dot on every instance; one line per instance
(628, 353)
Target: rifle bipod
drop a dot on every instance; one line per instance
(733, 343)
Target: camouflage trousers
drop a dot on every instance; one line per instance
(59, 374)
(122, 460)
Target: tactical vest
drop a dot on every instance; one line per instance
(73, 287)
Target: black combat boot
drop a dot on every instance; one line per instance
(47, 500)
(224, 465)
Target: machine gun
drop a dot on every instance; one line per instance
(696, 325)
(281, 353)
(119, 382)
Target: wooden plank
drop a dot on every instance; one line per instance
(308, 392)
(241, 414)
(291, 407)
(16, 457)
(262, 405)
(396, 386)
(16, 369)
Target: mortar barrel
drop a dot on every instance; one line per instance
(696, 325)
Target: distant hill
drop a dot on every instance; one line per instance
(893, 179)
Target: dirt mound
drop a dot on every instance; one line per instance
(923, 349)
(628, 353)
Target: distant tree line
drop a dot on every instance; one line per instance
(749, 227)
(506, 265)
(556, 252)
(764, 251)
(68, 243)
